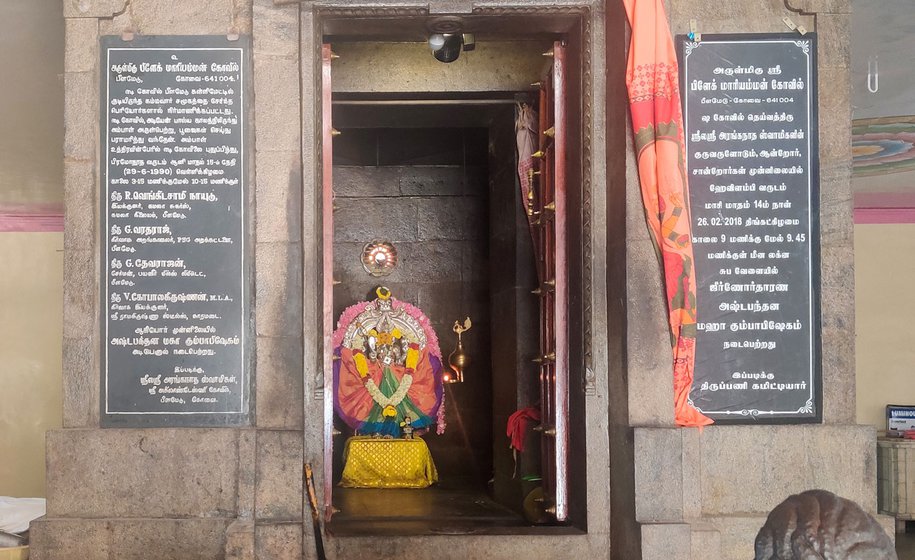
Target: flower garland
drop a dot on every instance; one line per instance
(432, 344)
(350, 313)
(395, 399)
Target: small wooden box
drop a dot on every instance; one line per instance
(896, 477)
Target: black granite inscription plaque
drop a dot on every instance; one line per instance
(751, 143)
(175, 282)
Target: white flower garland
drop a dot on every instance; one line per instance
(405, 382)
(394, 399)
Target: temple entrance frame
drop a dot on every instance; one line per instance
(587, 207)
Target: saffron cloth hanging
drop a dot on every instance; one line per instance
(657, 123)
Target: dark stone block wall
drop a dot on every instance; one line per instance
(437, 218)
(515, 340)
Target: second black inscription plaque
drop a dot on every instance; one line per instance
(751, 143)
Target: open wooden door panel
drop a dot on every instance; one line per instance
(550, 248)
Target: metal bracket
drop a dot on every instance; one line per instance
(793, 26)
(694, 34)
(590, 382)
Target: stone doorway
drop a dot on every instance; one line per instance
(426, 158)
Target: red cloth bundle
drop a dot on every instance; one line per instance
(518, 425)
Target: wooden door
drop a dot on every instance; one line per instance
(550, 248)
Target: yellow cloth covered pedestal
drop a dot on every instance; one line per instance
(387, 463)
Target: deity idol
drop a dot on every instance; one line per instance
(387, 369)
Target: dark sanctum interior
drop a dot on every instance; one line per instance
(438, 180)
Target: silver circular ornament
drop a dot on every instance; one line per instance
(379, 258)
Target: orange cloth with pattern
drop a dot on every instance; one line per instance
(657, 122)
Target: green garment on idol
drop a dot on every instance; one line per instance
(376, 423)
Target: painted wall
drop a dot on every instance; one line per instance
(885, 346)
(31, 310)
(31, 239)
(31, 105)
(884, 188)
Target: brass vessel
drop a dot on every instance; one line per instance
(458, 359)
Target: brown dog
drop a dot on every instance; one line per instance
(818, 525)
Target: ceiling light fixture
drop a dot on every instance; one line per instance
(447, 38)
(447, 47)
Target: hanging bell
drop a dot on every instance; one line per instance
(458, 359)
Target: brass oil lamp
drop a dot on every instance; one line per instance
(458, 359)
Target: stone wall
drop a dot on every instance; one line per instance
(437, 218)
(241, 495)
(180, 493)
(713, 488)
(236, 493)
(515, 332)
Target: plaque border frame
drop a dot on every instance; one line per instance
(752, 416)
(191, 419)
